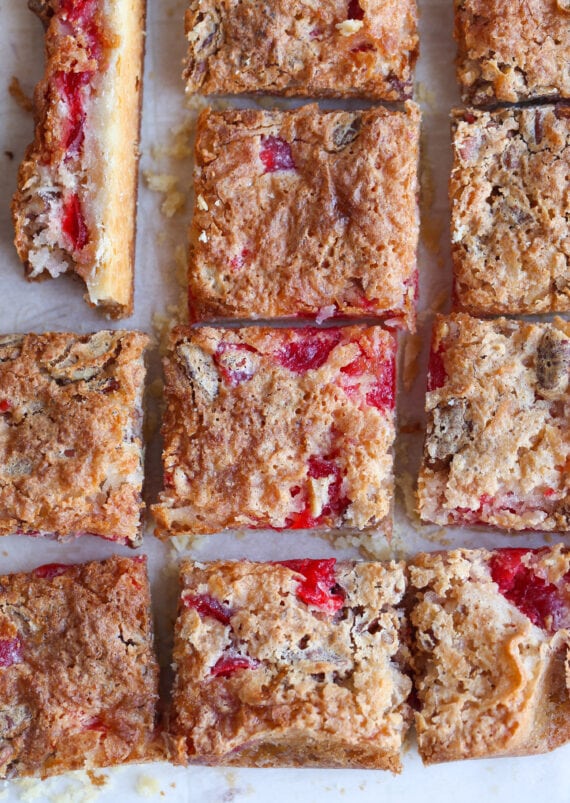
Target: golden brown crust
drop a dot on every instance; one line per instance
(70, 433)
(287, 47)
(277, 428)
(511, 50)
(489, 681)
(78, 677)
(322, 689)
(510, 206)
(498, 442)
(74, 209)
(334, 230)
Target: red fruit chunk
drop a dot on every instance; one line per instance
(50, 570)
(301, 521)
(542, 602)
(69, 84)
(355, 12)
(237, 262)
(94, 724)
(73, 223)
(276, 154)
(10, 652)
(364, 48)
(208, 606)
(232, 361)
(436, 369)
(324, 467)
(382, 394)
(4, 405)
(310, 351)
(227, 665)
(319, 588)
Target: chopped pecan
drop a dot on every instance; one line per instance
(449, 430)
(200, 368)
(553, 361)
(345, 133)
(85, 359)
(10, 347)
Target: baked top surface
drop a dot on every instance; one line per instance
(498, 435)
(366, 48)
(305, 213)
(491, 651)
(277, 428)
(70, 433)
(297, 663)
(78, 677)
(511, 50)
(510, 206)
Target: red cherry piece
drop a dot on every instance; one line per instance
(319, 588)
(227, 665)
(5, 405)
(275, 153)
(325, 467)
(437, 374)
(208, 606)
(237, 262)
(301, 521)
(355, 11)
(10, 652)
(540, 601)
(309, 351)
(73, 223)
(382, 394)
(94, 724)
(231, 359)
(69, 84)
(366, 47)
(50, 570)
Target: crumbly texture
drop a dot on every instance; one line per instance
(305, 213)
(78, 676)
(497, 448)
(316, 687)
(281, 428)
(510, 208)
(512, 50)
(336, 48)
(74, 209)
(70, 434)
(491, 674)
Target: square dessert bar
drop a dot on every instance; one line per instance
(280, 428)
(497, 448)
(70, 434)
(490, 652)
(75, 207)
(509, 209)
(305, 213)
(335, 48)
(298, 663)
(78, 676)
(512, 50)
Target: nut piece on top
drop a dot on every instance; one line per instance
(299, 663)
(509, 210)
(71, 434)
(497, 448)
(305, 213)
(512, 50)
(334, 48)
(78, 676)
(490, 652)
(74, 210)
(280, 428)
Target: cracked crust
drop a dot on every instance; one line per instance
(512, 50)
(510, 209)
(277, 428)
(497, 448)
(78, 677)
(325, 690)
(489, 681)
(74, 209)
(70, 434)
(334, 233)
(287, 47)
